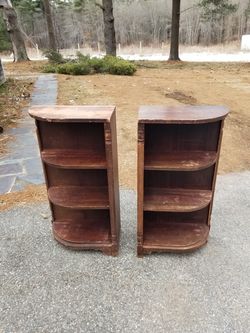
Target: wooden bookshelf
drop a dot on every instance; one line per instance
(178, 154)
(79, 155)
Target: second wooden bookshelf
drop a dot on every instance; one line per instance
(178, 153)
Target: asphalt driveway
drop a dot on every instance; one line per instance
(47, 288)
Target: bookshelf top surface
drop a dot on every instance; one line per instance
(187, 114)
(69, 113)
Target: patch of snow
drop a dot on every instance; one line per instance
(192, 57)
(245, 42)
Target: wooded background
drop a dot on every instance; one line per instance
(80, 22)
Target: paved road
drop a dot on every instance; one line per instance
(47, 288)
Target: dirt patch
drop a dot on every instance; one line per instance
(212, 84)
(182, 97)
(14, 96)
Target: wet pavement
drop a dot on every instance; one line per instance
(21, 165)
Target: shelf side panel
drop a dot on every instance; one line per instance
(113, 180)
(140, 188)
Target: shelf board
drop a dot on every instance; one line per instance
(175, 200)
(180, 160)
(84, 232)
(173, 236)
(74, 159)
(79, 197)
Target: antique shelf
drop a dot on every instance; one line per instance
(79, 155)
(178, 154)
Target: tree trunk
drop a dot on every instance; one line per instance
(14, 30)
(2, 77)
(109, 27)
(50, 25)
(175, 30)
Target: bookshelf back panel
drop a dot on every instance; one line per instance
(201, 179)
(181, 137)
(71, 177)
(199, 216)
(79, 136)
(66, 214)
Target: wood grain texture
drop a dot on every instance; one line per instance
(175, 200)
(180, 160)
(74, 159)
(113, 180)
(68, 113)
(140, 188)
(181, 114)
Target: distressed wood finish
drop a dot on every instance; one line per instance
(175, 200)
(178, 154)
(79, 154)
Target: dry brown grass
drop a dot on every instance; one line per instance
(24, 67)
(31, 194)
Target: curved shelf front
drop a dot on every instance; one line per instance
(74, 159)
(174, 236)
(175, 200)
(180, 160)
(79, 197)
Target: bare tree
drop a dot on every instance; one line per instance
(175, 30)
(2, 77)
(50, 25)
(109, 26)
(14, 30)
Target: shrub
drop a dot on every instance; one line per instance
(50, 68)
(74, 69)
(82, 58)
(54, 57)
(118, 66)
(84, 65)
(98, 65)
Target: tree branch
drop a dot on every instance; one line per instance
(185, 10)
(99, 5)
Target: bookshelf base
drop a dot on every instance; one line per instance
(84, 237)
(173, 237)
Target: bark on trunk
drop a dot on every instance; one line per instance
(50, 25)
(2, 77)
(175, 29)
(109, 27)
(15, 32)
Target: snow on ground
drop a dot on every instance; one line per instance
(192, 57)
(196, 57)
